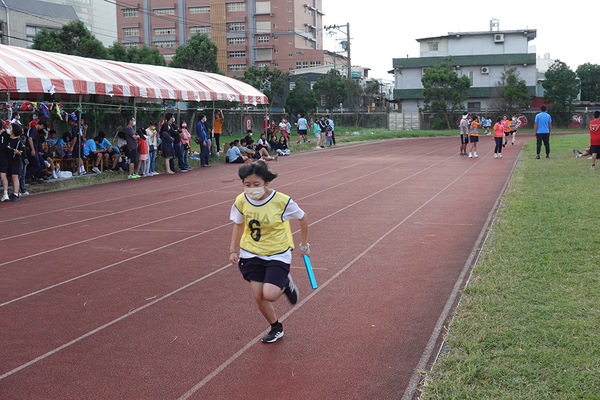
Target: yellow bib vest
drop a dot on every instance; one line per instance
(265, 234)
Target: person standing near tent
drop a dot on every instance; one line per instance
(218, 128)
(77, 133)
(132, 146)
(203, 135)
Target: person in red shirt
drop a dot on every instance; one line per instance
(595, 137)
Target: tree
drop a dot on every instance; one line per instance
(589, 77)
(562, 87)
(270, 83)
(73, 39)
(301, 99)
(444, 92)
(136, 55)
(511, 94)
(199, 54)
(332, 87)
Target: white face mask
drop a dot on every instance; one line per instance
(255, 193)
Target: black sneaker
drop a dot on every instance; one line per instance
(14, 197)
(275, 333)
(547, 155)
(537, 157)
(291, 291)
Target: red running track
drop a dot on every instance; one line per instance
(123, 290)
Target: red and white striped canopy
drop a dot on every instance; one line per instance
(27, 71)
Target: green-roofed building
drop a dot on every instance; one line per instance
(481, 56)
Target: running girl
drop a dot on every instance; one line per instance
(261, 216)
(507, 129)
(498, 137)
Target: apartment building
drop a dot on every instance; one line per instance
(286, 34)
(481, 56)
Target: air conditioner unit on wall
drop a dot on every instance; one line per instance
(499, 38)
(485, 70)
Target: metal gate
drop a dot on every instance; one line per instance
(404, 121)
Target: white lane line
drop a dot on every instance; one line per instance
(56, 350)
(234, 357)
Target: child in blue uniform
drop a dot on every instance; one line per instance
(261, 216)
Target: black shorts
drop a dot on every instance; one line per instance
(258, 270)
(133, 156)
(595, 148)
(302, 132)
(77, 151)
(507, 133)
(474, 139)
(238, 160)
(11, 166)
(464, 139)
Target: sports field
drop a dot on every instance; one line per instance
(123, 290)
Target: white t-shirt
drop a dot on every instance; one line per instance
(292, 211)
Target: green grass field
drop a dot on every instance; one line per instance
(528, 324)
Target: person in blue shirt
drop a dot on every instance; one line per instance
(112, 153)
(542, 128)
(234, 155)
(92, 152)
(203, 135)
(330, 134)
(302, 128)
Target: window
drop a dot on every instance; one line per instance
(129, 45)
(263, 7)
(31, 32)
(199, 10)
(433, 46)
(263, 27)
(164, 45)
(304, 64)
(315, 63)
(131, 31)
(237, 67)
(130, 12)
(277, 64)
(274, 25)
(233, 7)
(237, 54)
(299, 53)
(276, 50)
(164, 31)
(289, 10)
(200, 29)
(298, 64)
(169, 57)
(237, 40)
(262, 39)
(470, 75)
(274, 5)
(292, 84)
(262, 65)
(263, 54)
(290, 55)
(275, 37)
(164, 11)
(290, 41)
(236, 26)
(475, 106)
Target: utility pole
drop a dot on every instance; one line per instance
(339, 28)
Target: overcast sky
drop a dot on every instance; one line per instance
(382, 30)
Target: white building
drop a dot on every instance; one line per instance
(99, 16)
(482, 56)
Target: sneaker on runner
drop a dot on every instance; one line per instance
(5, 197)
(275, 333)
(96, 170)
(291, 291)
(14, 197)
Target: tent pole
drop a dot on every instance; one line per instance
(134, 109)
